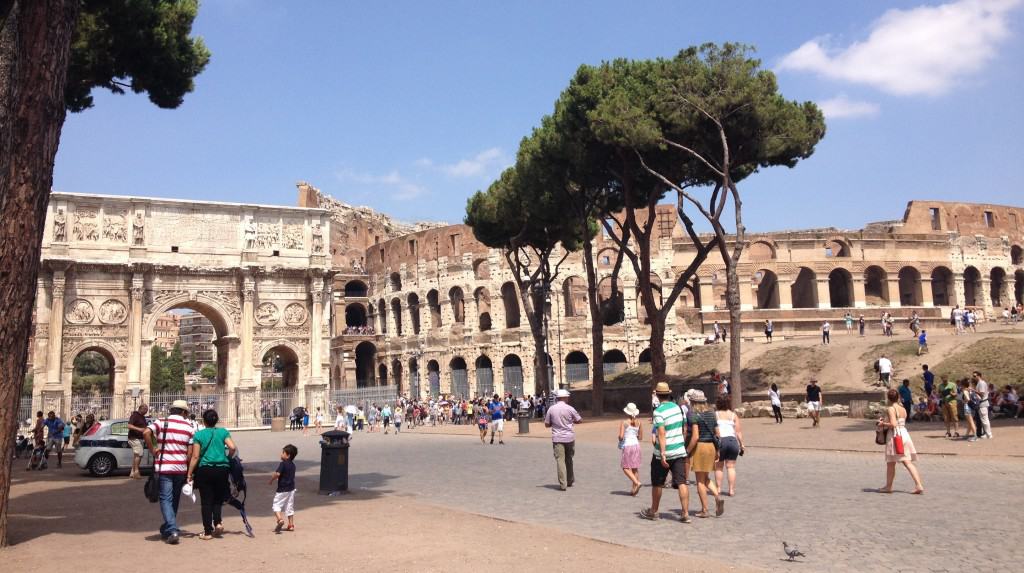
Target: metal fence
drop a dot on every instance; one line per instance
(274, 404)
(379, 395)
(460, 383)
(484, 381)
(25, 413)
(513, 376)
(435, 385)
(613, 369)
(575, 373)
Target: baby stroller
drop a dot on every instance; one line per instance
(238, 490)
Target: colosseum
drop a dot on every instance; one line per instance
(434, 300)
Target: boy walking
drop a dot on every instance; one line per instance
(284, 498)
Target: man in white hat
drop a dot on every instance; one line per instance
(170, 441)
(560, 419)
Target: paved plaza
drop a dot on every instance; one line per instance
(442, 501)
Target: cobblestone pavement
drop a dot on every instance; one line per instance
(822, 501)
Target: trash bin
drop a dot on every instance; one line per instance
(524, 422)
(334, 461)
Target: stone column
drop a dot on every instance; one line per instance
(316, 329)
(707, 295)
(785, 294)
(927, 297)
(983, 292)
(135, 332)
(247, 328)
(894, 292)
(958, 296)
(53, 362)
(825, 299)
(746, 295)
(860, 297)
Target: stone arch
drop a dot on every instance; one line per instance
(606, 258)
(942, 286)
(460, 377)
(458, 301)
(396, 375)
(577, 367)
(224, 319)
(484, 376)
(396, 314)
(760, 251)
(574, 296)
(434, 378)
(382, 374)
(356, 289)
(512, 374)
(645, 357)
(910, 287)
(414, 378)
(613, 309)
(767, 283)
(1018, 286)
(1016, 255)
(434, 304)
(395, 282)
(997, 286)
(972, 286)
(366, 357)
(482, 296)
(510, 300)
(840, 288)
(355, 314)
(804, 291)
(836, 247)
(88, 401)
(876, 286)
(481, 270)
(289, 368)
(413, 302)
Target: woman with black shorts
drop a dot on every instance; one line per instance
(730, 435)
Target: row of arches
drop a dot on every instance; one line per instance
(358, 314)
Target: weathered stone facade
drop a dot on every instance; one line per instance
(112, 266)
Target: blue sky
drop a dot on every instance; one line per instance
(410, 107)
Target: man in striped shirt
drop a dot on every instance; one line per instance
(669, 453)
(170, 441)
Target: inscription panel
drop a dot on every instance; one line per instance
(185, 227)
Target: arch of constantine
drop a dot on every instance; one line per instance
(111, 266)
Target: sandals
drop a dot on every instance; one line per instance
(279, 527)
(719, 507)
(649, 515)
(218, 530)
(636, 490)
(290, 528)
(702, 515)
(685, 519)
(205, 536)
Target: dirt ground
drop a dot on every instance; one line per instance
(104, 525)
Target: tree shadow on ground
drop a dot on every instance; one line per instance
(70, 502)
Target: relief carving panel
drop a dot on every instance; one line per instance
(113, 312)
(79, 311)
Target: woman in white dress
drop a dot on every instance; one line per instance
(894, 422)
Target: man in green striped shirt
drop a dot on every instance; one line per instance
(669, 453)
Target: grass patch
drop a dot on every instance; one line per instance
(696, 363)
(900, 352)
(1000, 361)
(782, 365)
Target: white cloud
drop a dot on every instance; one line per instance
(402, 188)
(923, 50)
(485, 163)
(844, 107)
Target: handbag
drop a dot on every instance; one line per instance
(897, 443)
(880, 436)
(152, 486)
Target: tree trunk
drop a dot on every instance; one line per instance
(596, 331)
(541, 378)
(732, 297)
(658, 362)
(35, 47)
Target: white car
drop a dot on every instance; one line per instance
(104, 449)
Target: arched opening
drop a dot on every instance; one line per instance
(434, 304)
(760, 251)
(395, 281)
(92, 383)
(767, 284)
(484, 376)
(645, 357)
(910, 287)
(336, 378)
(613, 310)
(481, 270)
(382, 375)
(577, 368)
(840, 288)
(396, 375)
(942, 286)
(876, 286)
(972, 286)
(356, 289)
(203, 347)
(836, 248)
(512, 374)
(574, 296)
(413, 301)
(366, 355)
(510, 300)
(382, 315)
(279, 368)
(434, 378)
(641, 311)
(483, 308)
(414, 378)
(1018, 287)
(1017, 255)
(460, 377)
(396, 313)
(997, 287)
(614, 363)
(804, 291)
(355, 316)
(458, 302)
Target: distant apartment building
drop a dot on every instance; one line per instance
(196, 335)
(167, 327)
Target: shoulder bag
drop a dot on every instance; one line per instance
(714, 438)
(152, 485)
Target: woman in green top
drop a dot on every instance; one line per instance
(212, 449)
